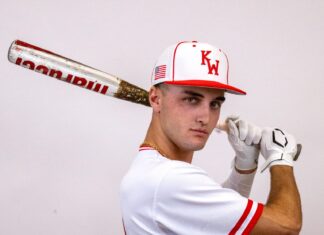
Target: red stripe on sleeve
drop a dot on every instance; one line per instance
(254, 220)
(243, 217)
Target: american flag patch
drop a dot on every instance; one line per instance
(159, 72)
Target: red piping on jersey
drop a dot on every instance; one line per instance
(254, 220)
(243, 217)
(146, 148)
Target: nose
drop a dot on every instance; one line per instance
(203, 114)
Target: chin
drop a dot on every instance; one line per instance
(200, 147)
(200, 144)
(194, 146)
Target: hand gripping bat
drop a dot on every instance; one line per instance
(67, 70)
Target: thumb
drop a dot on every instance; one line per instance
(232, 117)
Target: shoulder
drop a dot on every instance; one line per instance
(184, 179)
(149, 168)
(202, 205)
(184, 173)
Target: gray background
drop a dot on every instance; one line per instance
(64, 150)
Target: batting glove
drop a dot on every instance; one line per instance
(277, 147)
(244, 138)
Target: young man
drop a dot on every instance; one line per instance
(163, 193)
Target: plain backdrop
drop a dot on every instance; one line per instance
(64, 150)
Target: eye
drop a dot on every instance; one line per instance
(215, 105)
(191, 100)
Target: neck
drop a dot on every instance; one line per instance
(157, 140)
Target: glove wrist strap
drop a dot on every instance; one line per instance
(278, 159)
(244, 165)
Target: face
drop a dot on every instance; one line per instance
(188, 115)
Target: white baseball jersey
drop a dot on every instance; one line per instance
(163, 196)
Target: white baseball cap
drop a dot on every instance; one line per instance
(194, 64)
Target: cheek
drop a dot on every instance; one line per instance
(175, 121)
(214, 118)
(172, 120)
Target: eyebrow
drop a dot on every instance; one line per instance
(193, 93)
(221, 98)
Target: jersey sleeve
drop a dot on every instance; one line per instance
(241, 183)
(188, 201)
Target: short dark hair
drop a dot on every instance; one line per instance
(163, 87)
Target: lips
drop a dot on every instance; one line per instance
(201, 132)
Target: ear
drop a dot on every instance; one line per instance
(155, 95)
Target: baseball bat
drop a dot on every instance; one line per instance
(67, 70)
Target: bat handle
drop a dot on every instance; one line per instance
(222, 126)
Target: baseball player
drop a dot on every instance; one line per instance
(163, 193)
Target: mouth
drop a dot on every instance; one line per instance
(200, 132)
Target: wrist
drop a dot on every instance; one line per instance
(245, 172)
(281, 168)
(278, 159)
(245, 163)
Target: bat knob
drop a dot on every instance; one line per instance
(299, 148)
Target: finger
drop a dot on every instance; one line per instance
(257, 135)
(232, 117)
(250, 134)
(243, 129)
(232, 128)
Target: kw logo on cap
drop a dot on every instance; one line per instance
(212, 68)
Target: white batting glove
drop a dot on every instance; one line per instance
(244, 137)
(277, 147)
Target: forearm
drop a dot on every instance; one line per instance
(240, 181)
(282, 213)
(284, 198)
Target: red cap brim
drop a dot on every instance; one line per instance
(208, 84)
